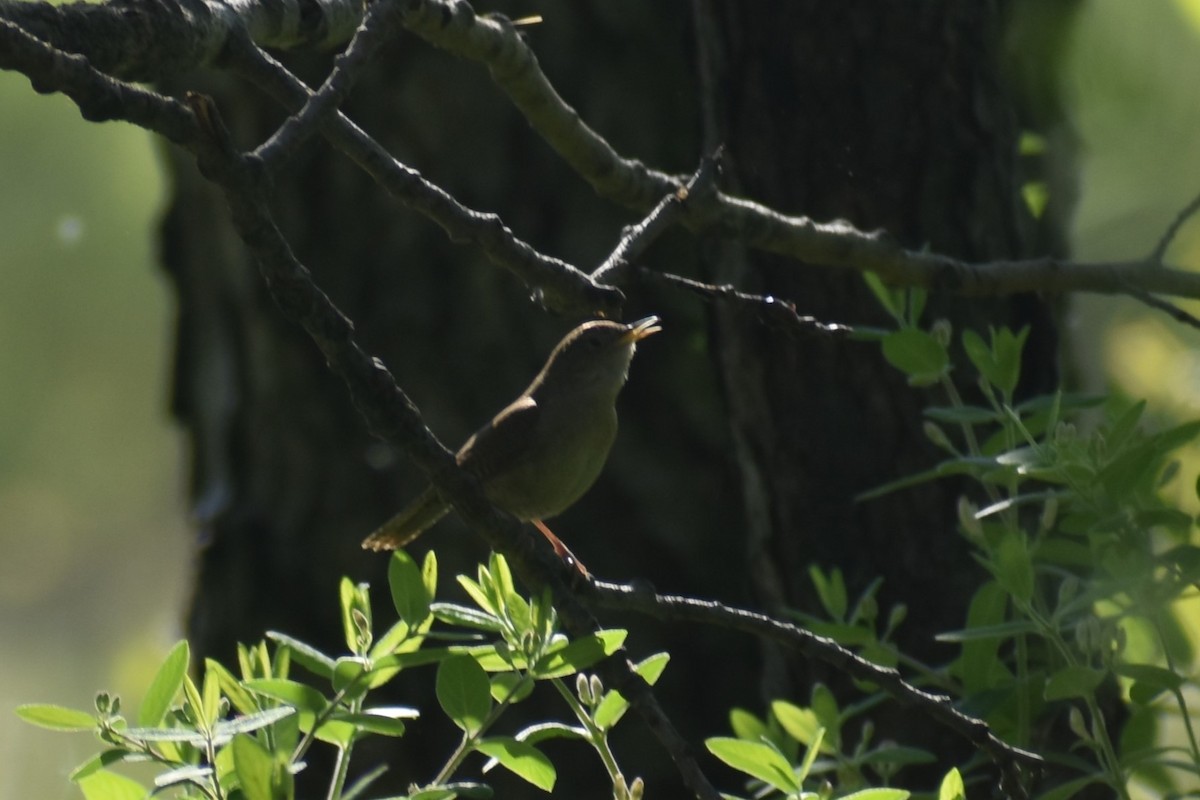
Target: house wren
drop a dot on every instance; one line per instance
(541, 453)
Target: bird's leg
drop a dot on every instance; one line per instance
(561, 550)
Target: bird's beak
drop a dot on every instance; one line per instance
(641, 329)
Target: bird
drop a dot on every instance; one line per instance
(546, 448)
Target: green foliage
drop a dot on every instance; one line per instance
(1087, 565)
(1087, 562)
(767, 748)
(245, 735)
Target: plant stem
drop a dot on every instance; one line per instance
(595, 735)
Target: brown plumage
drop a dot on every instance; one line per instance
(546, 448)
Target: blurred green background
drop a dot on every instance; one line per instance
(92, 509)
(92, 516)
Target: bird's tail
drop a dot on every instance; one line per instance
(415, 519)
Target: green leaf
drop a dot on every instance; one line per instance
(1014, 567)
(372, 721)
(579, 654)
(918, 355)
(306, 655)
(410, 596)
(429, 573)
(1121, 428)
(825, 706)
(952, 787)
(298, 695)
(746, 725)
(511, 687)
(241, 699)
(212, 697)
(520, 758)
(614, 705)
(756, 759)
(464, 616)
(356, 615)
(1003, 630)
(56, 718)
(810, 756)
(194, 703)
(398, 638)
(1072, 681)
(398, 661)
(1149, 681)
(888, 297)
(105, 785)
(1067, 790)
(831, 590)
(1151, 674)
(189, 735)
(799, 723)
(968, 465)
(896, 755)
(255, 769)
(429, 794)
(878, 794)
(252, 722)
(501, 575)
(1007, 347)
(103, 759)
(358, 789)
(995, 362)
(551, 730)
(165, 686)
(476, 593)
(970, 415)
(464, 692)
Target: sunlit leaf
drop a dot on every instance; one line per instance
(520, 758)
(56, 718)
(165, 686)
(464, 692)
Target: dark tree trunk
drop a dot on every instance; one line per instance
(741, 450)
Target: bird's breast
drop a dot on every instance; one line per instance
(561, 461)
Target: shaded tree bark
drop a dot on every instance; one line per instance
(741, 451)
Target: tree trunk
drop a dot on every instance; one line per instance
(741, 449)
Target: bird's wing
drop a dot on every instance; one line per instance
(502, 442)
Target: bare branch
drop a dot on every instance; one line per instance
(1170, 309)
(558, 284)
(494, 41)
(636, 238)
(147, 40)
(298, 127)
(674, 608)
(773, 311)
(1187, 212)
(99, 97)
(142, 39)
(453, 25)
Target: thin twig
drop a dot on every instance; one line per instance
(774, 311)
(347, 68)
(1185, 213)
(674, 608)
(494, 42)
(558, 284)
(635, 239)
(1170, 309)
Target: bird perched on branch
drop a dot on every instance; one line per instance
(546, 448)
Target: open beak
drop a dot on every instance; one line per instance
(641, 329)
